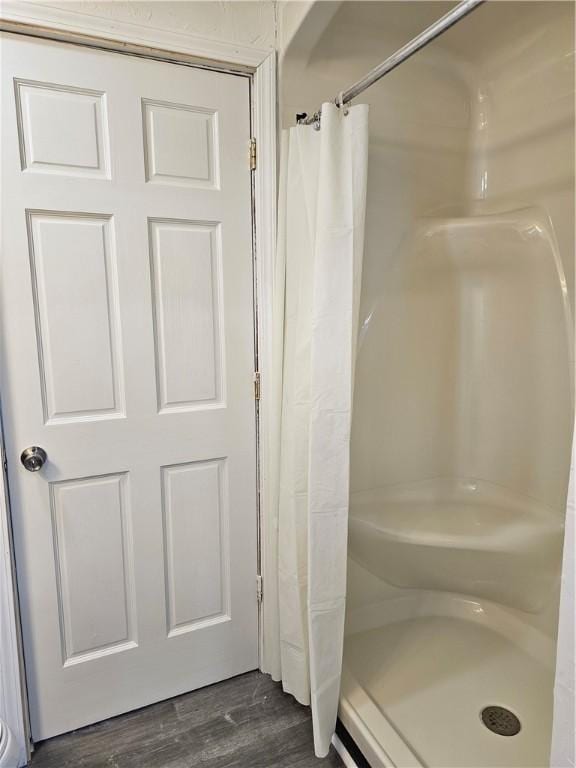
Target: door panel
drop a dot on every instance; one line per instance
(61, 129)
(127, 354)
(196, 544)
(76, 318)
(186, 272)
(95, 573)
(181, 144)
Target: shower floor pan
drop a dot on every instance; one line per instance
(414, 690)
(458, 535)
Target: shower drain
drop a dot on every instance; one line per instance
(501, 721)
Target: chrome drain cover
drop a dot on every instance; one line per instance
(501, 721)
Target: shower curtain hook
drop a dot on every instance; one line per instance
(340, 103)
(316, 124)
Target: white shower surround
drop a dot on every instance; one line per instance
(433, 175)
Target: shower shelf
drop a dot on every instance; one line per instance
(458, 535)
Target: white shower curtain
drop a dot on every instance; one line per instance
(319, 261)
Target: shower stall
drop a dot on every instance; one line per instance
(463, 417)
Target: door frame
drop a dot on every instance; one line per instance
(73, 27)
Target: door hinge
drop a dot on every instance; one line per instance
(259, 588)
(252, 154)
(256, 385)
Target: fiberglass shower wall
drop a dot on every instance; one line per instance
(480, 123)
(462, 370)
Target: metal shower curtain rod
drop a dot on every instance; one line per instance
(418, 42)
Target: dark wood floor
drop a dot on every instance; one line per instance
(246, 722)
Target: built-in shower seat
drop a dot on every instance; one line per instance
(458, 535)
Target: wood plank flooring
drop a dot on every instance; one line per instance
(245, 722)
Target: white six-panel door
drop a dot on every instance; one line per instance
(127, 355)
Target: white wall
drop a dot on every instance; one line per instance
(246, 22)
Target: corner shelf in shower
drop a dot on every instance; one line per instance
(458, 535)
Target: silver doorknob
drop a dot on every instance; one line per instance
(33, 458)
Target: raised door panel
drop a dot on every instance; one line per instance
(62, 130)
(194, 499)
(76, 309)
(93, 553)
(186, 274)
(180, 144)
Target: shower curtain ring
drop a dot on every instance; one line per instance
(316, 124)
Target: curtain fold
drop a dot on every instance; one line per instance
(322, 205)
